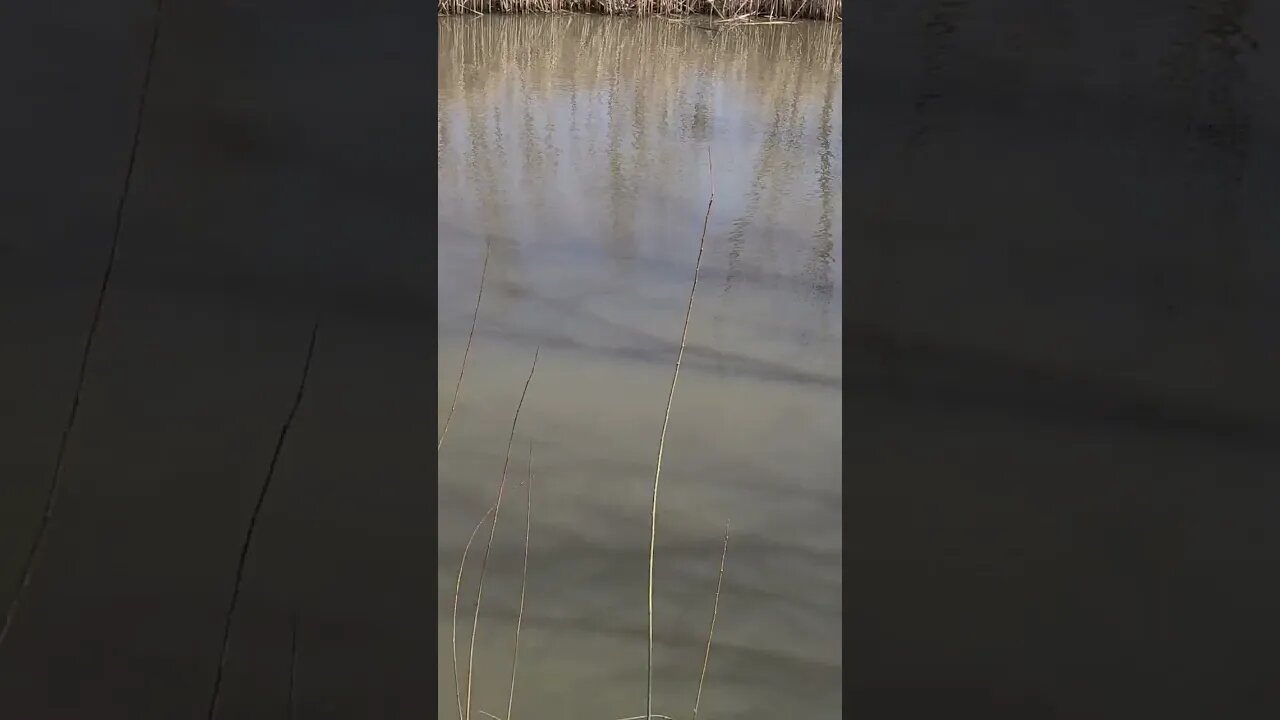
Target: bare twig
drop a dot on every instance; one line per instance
(493, 528)
(55, 482)
(711, 178)
(467, 352)
(715, 610)
(457, 592)
(524, 581)
(293, 665)
(253, 524)
(662, 438)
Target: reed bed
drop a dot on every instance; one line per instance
(583, 53)
(829, 10)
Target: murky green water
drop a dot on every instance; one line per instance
(576, 148)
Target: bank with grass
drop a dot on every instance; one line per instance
(714, 13)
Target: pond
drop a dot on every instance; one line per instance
(577, 156)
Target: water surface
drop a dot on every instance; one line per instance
(576, 149)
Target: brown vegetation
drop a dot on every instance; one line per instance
(719, 10)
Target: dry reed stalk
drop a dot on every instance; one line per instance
(524, 580)
(457, 389)
(493, 528)
(253, 524)
(662, 438)
(292, 711)
(55, 482)
(654, 716)
(757, 23)
(457, 593)
(715, 610)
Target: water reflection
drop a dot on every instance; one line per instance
(593, 127)
(577, 146)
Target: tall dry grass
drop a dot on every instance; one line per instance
(830, 10)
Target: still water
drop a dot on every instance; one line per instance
(576, 150)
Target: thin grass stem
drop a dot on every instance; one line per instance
(457, 592)
(292, 711)
(462, 371)
(524, 581)
(715, 610)
(245, 545)
(493, 529)
(662, 438)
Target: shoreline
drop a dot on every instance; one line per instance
(727, 14)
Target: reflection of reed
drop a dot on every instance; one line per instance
(623, 101)
(774, 174)
(823, 244)
(1206, 69)
(485, 160)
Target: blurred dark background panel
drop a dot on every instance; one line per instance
(283, 175)
(1062, 400)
